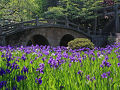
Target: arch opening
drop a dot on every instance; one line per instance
(38, 40)
(65, 39)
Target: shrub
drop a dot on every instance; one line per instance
(80, 43)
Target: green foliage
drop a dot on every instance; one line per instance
(78, 8)
(42, 7)
(17, 10)
(54, 13)
(80, 43)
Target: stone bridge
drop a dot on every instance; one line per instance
(53, 36)
(42, 32)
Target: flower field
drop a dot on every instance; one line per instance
(59, 68)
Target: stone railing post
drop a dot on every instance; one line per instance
(88, 31)
(0, 30)
(37, 20)
(54, 21)
(78, 28)
(67, 23)
(21, 25)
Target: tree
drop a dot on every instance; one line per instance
(78, 8)
(77, 11)
(19, 10)
(54, 13)
(42, 7)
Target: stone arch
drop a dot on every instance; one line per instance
(53, 35)
(65, 39)
(38, 40)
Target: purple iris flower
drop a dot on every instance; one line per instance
(101, 65)
(39, 81)
(14, 66)
(65, 55)
(44, 58)
(104, 75)
(2, 55)
(53, 63)
(14, 88)
(118, 64)
(72, 59)
(24, 69)
(79, 72)
(41, 65)
(35, 58)
(61, 87)
(62, 61)
(93, 78)
(88, 77)
(23, 57)
(108, 73)
(8, 71)
(10, 55)
(41, 68)
(45, 52)
(92, 53)
(21, 77)
(2, 72)
(98, 54)
(111, 79)
(118, 56)
(8, 64)
(70, 65)
(8, 59)
(50, 60)
(2, 84)
(93, 58)
(84, 57)
(79, 59)
(106, 57)
(31, 61)
(58, 58)
(108, 64)
(28, 51)
(105, 63)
